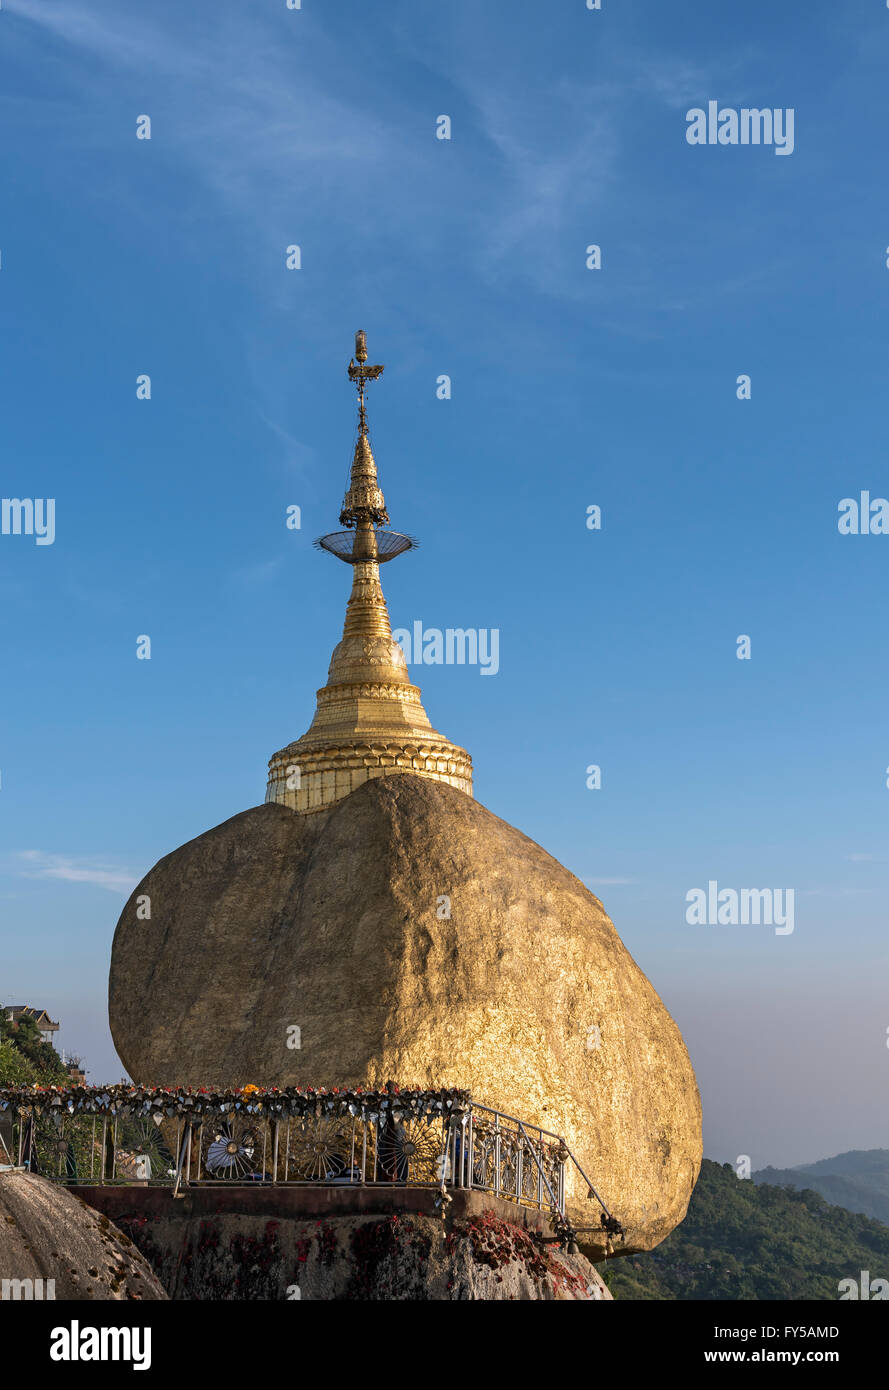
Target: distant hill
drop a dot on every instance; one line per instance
(743, 1240)
(857, 1180)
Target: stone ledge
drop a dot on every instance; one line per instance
(302, 1202)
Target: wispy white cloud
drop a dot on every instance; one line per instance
(543, 182)
(298, 459)
(253, 576)
(35, 863)
(108, 34)
(255, 122)
(676, 82)
(271, 128)
(254, 111)
(288, 129)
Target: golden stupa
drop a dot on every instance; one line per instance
(369, 721)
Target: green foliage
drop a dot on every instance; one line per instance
(25, 1038)
(15, 1069)
(743, 1241)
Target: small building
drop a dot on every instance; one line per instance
(15, 1012)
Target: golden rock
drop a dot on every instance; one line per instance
(406, 932)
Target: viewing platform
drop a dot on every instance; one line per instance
(344, 1150)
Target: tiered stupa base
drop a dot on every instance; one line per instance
(311, 779)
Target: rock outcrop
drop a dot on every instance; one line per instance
(409, 933)
(52, 1245)
(383, 1258)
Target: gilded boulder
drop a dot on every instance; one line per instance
(407, 932)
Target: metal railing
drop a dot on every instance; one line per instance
(240, 1145)
(481, 1149)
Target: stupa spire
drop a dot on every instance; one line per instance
(369, 719)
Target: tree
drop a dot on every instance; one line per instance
(24, 1037)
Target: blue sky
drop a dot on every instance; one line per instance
(570, 387)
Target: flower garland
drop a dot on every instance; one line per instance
(271, 1103)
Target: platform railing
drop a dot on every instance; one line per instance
(483, 1149)
(471, 1147)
